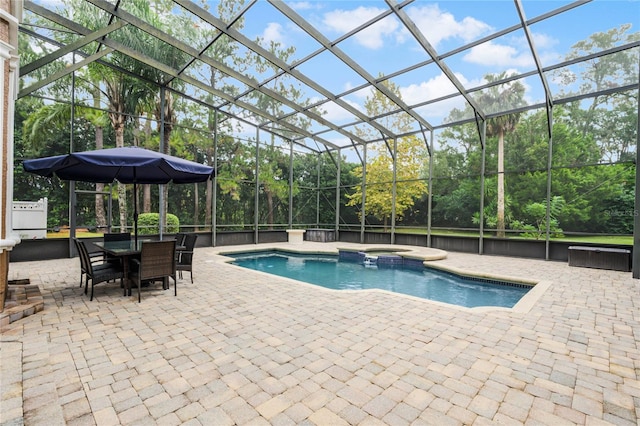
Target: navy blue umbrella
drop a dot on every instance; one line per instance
(126, 165)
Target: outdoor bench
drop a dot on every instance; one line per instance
(616, 259)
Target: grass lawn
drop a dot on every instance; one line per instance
(80, 233)
(592, 239)
(598, 239)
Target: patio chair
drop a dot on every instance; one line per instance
(180, 236)
(117, 236)
(98, 273)
(185, 256)
(95, 257)
(157, 262)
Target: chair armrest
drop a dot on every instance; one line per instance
(134, 265)
(180, 253)
(96, 256)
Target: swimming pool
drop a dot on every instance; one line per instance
(339, 274)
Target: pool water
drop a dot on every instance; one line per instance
(329, 272)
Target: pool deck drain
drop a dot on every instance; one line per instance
(238, 348)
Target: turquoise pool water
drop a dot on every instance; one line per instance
(330, 272)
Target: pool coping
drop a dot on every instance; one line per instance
(524, 305)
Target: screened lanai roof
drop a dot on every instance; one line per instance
(304, 69)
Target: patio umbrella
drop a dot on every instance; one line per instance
(124, 164)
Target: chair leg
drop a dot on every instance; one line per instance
(191, 273)
(139, 285)
(92, 286)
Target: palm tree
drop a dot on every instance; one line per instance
(123, 92)
(38, 129)
(498, 98)
(271, 176)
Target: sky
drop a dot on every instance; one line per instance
(387, 47)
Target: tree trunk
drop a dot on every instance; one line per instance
(146, 188)
(166, 149)
(270, 207)
(122, 189)
(196, 207)
(208, 208)
(500, 224)
(146, 196)
(101, 219)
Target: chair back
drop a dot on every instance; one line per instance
(83, 253)
(189, 243)
(180, 236)
(79, 249)
(157, 259)
(117, 236)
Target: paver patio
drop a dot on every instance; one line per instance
(240, 347)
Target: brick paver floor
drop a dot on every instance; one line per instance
(241, 347)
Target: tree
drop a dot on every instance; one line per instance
(315, 175)
(123, 92)
(610, 117)
(225, 51)
(535, 224)
(409, 164)
(497, 99)
(379, 180)
(44, 124)
(273, 168)
(29, 187)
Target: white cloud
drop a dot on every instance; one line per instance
(273, 32)
(502, 55)
(544, 41)
(513, 52)
(343, 21)
(336, 113)
(431, 89)
(363, 93)
(304, 5)
(438, 25)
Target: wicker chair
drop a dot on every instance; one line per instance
(97, 273)
(157, 262)
(180, 236)
(185, 257)
(97, 258)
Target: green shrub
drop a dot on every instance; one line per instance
(148, 223)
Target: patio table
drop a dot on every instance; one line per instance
(126, 250)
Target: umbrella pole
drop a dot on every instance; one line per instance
(135, 213)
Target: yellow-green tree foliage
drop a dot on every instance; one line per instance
(379, 179)
(411, 161)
